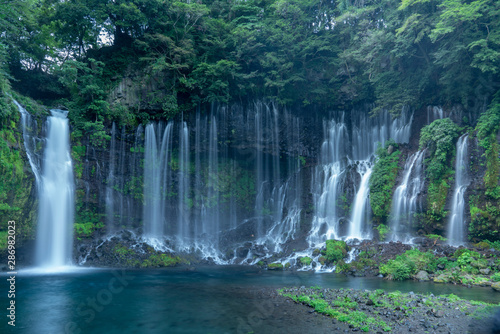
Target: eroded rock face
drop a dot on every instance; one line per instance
(139, 92)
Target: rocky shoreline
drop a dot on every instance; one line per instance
(350, 310)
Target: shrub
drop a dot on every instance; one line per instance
(383, 179)
(408, 264)
(382, 231)
(275, 266)
(335, 250)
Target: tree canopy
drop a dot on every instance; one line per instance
(334, 53)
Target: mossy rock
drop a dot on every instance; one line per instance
(441, 279)
(275, 266)
(305, 261)
(322, 260)
(482, 245)
(335, 250)
(496, 286)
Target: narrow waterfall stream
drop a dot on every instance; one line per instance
(360, 214)
(404, 201)
(326, 183)
(456, 224)
(56, 196)
(156, 178)
(30, 142)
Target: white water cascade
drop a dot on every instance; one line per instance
(434, 113)
(110, 202)
(56, 197)
(404, 201)
(358, 228)
(30, 142)
(456, 225)
(220, 172)
(326, 183)
(340, 152)
(156, 178)
(183, 230)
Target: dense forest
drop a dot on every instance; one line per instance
(330, 53)
(333, 55)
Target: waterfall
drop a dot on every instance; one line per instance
(30, 142)
(340, 152)
(326, 183)
(110, 202)
(268, 208)
(456, 225)
(230, 174)
(404, 201)
(56, 196)
(434, 113)
(210, 213)
(183, 231)
(360, 215)
(156, 178)
(288, 195)
(120, 202)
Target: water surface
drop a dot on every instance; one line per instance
(175, 300)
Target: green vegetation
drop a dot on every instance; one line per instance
(406, 265)
(342, 308)
(160, 260)
(86, 229)
(275, 266)
(231, 182)
(305, 261)
(16, 181)
(130, 258)
(383, 179)
(199, 53)
(439, 139)
(485, 207)
(335, 250)
(364, 260)
(363, 310)
(436, 237)
(382, 231)
(485, 218)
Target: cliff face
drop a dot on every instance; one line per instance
(137, 91)
(241, 182)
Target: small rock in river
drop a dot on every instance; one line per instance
(439, 313)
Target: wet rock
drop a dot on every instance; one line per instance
(419, 240)
(422, 275)
(441, 279)
(496, 286)
(485, 271)
(242, 252)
